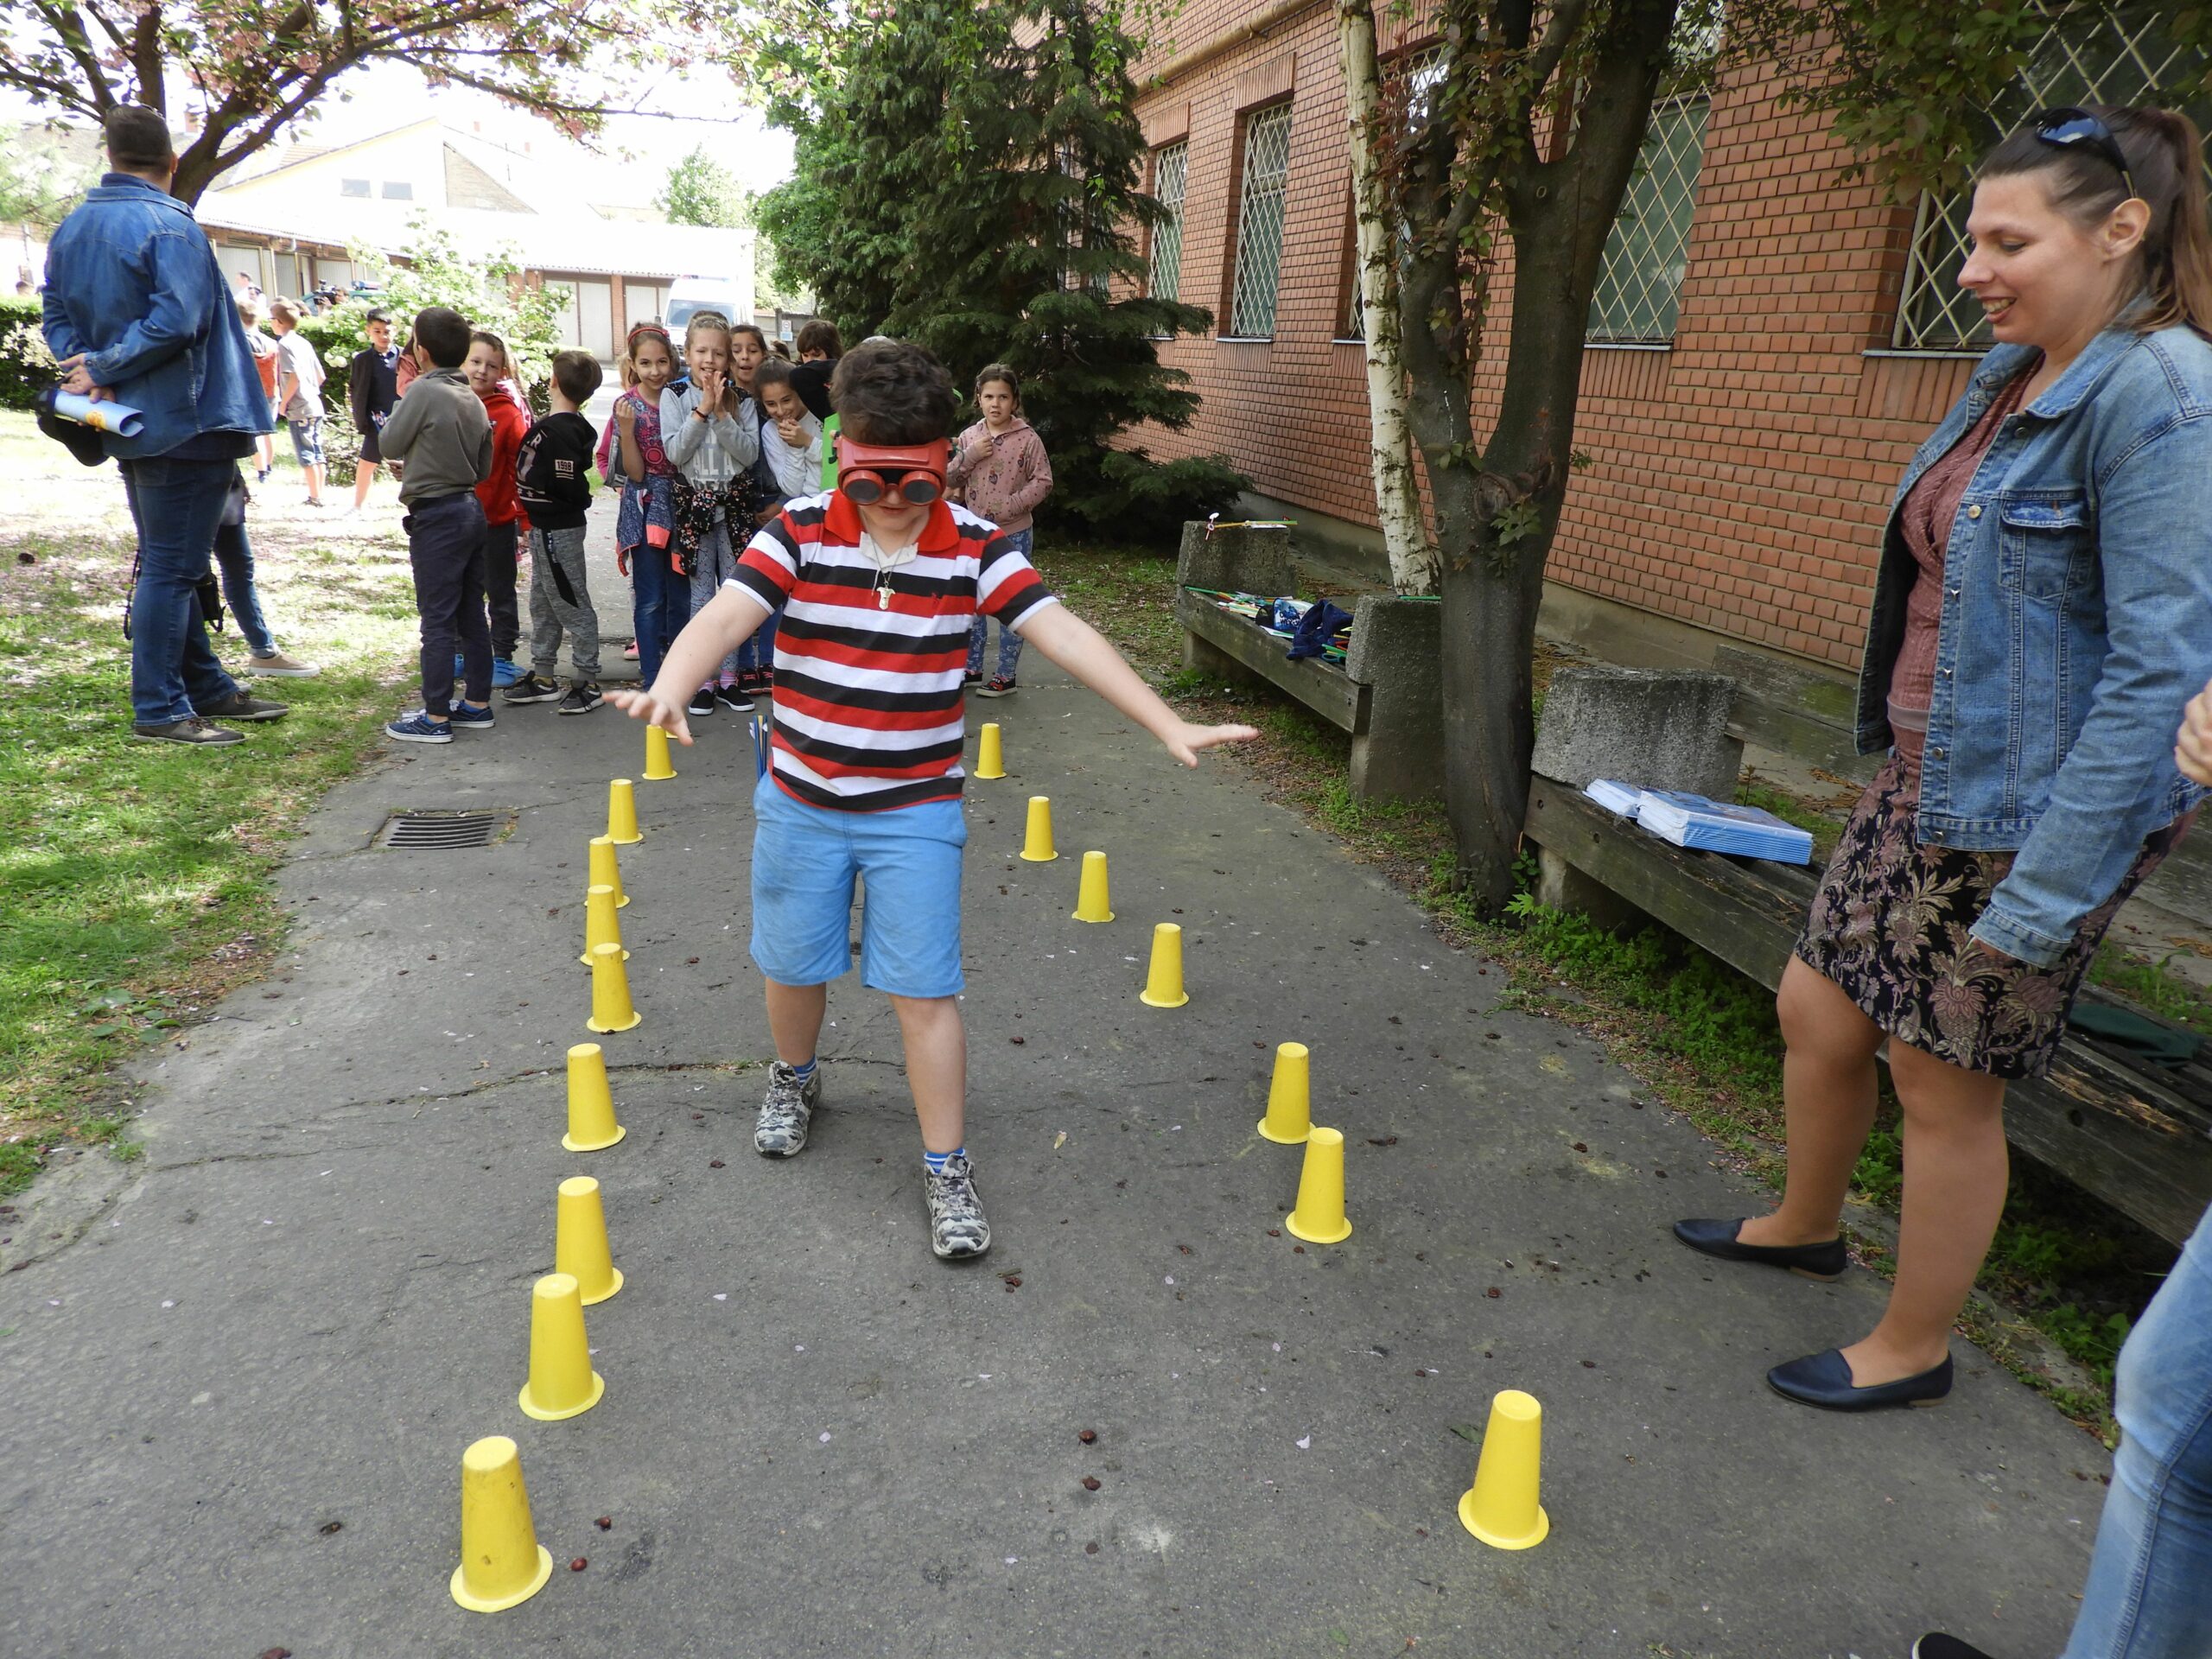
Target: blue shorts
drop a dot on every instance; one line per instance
(805, 859)
(307, 440)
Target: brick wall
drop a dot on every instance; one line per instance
(1739, 479)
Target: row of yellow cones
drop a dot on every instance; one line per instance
(502, 1563)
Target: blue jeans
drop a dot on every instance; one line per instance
(445, 545)
(175, 505)
(1010, 641)
(2147, 1597)
(663, 606)
(234, 558)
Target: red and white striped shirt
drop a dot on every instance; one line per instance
(869, 715)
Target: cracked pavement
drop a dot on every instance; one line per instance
(239, 1383)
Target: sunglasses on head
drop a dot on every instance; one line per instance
(910, 474)
(2072, 129)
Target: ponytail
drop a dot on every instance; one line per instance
(2178, 262)
(2166, 156)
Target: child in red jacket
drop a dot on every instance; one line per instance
(491, 371)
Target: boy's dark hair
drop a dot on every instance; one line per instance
(138, 138)
(577, 374)
(820, 336)
(773, 371)
(377, 315)
(443, 334)
(892, 392)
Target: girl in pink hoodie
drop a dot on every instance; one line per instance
(1000, 472)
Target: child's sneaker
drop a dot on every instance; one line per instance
(419, 727)
(504, 672)
(277, 664)
(957, 1224)
(582, 697)
(474, 720)
(734, 698)
(971, 678)
(530, 688)
(780, 1131)
(999, 685)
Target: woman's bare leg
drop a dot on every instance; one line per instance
(1828, 1096)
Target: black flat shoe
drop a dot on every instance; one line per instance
(1936, 1645)
(1718, 1238)
(1824, 1380)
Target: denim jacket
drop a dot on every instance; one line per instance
(2076, 622)
(131, 279)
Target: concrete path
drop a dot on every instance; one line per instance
(237, 1389)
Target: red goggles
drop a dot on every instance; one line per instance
(905, 475)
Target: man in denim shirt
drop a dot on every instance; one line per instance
(137, 310)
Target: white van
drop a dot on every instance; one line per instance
(688, 294)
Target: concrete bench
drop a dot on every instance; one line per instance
(2137, 1137)
(1388, 695)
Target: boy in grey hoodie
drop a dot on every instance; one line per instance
(441, 437)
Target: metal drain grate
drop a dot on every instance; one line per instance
(437, 832)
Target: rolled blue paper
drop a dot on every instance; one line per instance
(117, 418)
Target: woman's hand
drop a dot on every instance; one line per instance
(654, 711)
(2193, 743)
(1185, 741)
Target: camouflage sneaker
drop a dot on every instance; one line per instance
(780, 1131)
(957, 1224)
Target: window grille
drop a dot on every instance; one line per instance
(1170, 171)
(2087, 54)
(1424, 74)
(1639, 286)
(1259, 230)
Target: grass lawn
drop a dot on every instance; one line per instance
(136, 873)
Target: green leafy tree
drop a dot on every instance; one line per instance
(432, 271)
(1523, 143)
(39, 181)
(702, 191)
(972, 180)
(244, 70)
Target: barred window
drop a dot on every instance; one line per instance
(1170, 170)
(1424, 74)
(1259, 229)
(1639, 286)
(2087, 54)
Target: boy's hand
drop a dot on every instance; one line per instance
(2193, 744)
(1185, 741)
(644, 705)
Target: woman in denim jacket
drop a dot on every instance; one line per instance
(2045, 591)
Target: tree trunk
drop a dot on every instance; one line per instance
(1495, 517)
(1390, 456)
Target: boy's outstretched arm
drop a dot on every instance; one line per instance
(1069, 641)
(731, 618)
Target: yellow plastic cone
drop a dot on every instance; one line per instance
(562, 1382)
(1290, 1099)
(579, 1248)
(1163, 985)
(990, 756)
(1037, 846)
(1319, 1217)
(502, 1563)
(592, 1126)
(611, 1008)
(622, 813)
(1092, 904)
(601, 925)
(606, 870)
(658, 767)
(1500, 1507)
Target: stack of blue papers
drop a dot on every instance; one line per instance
(1614, 795)
(1722, 827)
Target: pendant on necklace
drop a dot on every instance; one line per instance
(883, 599)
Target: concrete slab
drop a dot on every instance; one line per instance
(237, 1404)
